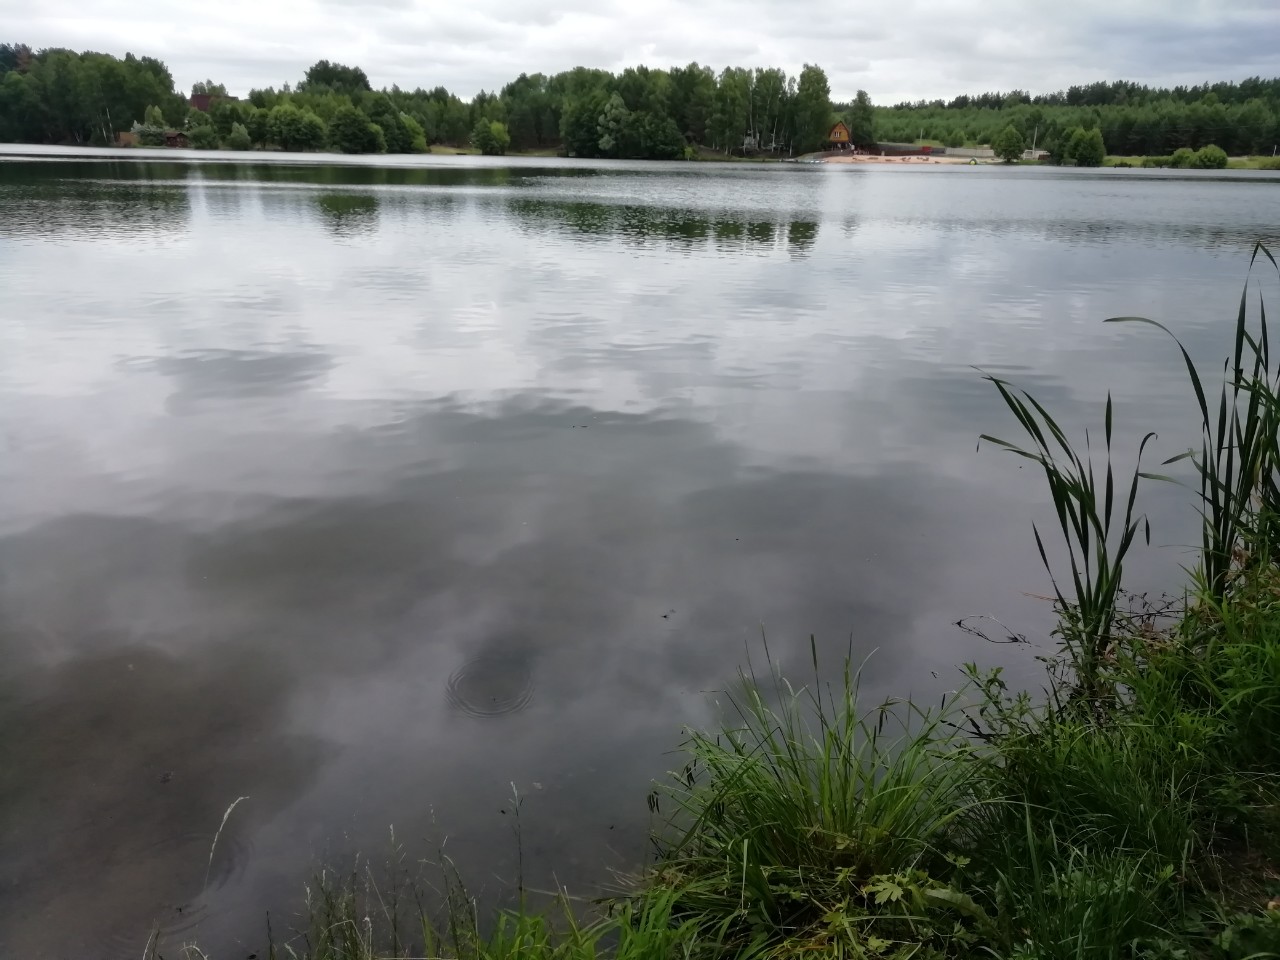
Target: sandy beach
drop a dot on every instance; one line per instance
(864, 158)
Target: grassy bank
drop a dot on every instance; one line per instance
(444, 150)
(1233, 163)
(1127, 810)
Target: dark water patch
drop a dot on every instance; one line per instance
(117, 771)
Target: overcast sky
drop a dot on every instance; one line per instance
(894, 49)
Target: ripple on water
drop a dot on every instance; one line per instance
(491, 686)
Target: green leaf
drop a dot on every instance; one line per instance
(884, 889)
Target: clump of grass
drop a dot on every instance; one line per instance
(814, 823)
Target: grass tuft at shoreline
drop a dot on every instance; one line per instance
(1129, 811)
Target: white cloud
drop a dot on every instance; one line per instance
(906, 49)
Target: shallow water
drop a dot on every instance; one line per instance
(370, 490)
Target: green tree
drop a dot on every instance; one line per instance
(812, 109)
(352, 132)
(312, 134)
(1008, 144)
(197, 118)
(238, 138)
(1086, 148)
(204, 137)
(152, 117)
(380, 109)
(578, 124)
(693, 92)
(652, 137)
(225, 113)
(209, 87)
(860, 119)
(729, 114)
(325, 76)
(293, 129)
(1211, 157)
(258, 123)
(417, 136)
(490, 137)
(611, 127)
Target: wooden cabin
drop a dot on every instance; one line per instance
(839, 138)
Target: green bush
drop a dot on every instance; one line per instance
(204, 137)
(1182, 158)
(490, 137)
(149, 135)
(1211, 157)
(1165, 161)
(1087, 148)
(238, 139)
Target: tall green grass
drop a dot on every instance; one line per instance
(1239, 448)
(1097, 536)
(795, 824)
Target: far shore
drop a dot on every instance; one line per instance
(867, 158)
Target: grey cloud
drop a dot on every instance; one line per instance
(905, 50)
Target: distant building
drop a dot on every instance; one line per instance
(839, 137)
(126, 138)
(176, 138)
(203, 101)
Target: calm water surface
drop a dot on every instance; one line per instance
(367, 491)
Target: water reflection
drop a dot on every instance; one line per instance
(55, 210)
(229, 377)
(349, 215)
(663, 226)
(368, 492)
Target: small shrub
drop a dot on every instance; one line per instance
(149, 135)
(1211, 157)
(1165, 161)
(204, 137)
(1182, 158)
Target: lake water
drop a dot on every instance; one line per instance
(368, 490)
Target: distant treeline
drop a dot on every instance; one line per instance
(60, 96)
(1241, 118)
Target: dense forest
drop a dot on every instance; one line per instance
(1135, 120)
(60, 96)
